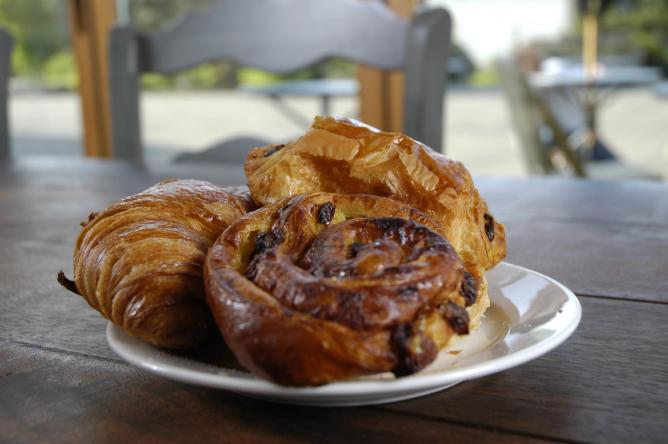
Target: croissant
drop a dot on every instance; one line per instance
(139, 261)
(319, 288)
(345, 156)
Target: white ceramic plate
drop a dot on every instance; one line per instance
(530, 315)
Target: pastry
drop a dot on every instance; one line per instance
(325, 287)
(139, 261)
(345, 156)
(243, 194)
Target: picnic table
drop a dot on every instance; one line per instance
(576, 98)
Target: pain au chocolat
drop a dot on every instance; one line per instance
(325, 287)
(345, 156)
(139, 261)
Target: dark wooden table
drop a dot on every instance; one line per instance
(60, 382)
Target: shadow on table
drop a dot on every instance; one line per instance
(231, 151)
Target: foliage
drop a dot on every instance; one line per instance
(39, 33)
(646, 24)
(332, 68)
(206, 76)
(152, 15)
(58, 71)
(228, 75)
(487, 76)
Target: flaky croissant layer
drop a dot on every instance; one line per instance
(139, 261)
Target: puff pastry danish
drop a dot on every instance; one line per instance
(139, 261)
(345, 156)
(319, 288)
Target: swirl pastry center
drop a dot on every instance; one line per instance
(345, 285)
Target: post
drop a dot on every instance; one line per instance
(590, 62)
(6, 44)
(381, 92)
(90, 21)
(590, 43)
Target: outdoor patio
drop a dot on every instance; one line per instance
(478, 131)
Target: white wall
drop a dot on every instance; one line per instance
(488, 28)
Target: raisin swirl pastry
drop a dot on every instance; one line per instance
(345, 156)
(319, 288)
(139, 261)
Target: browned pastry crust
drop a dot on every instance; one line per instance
(139, 261)
(344, 156)
(319, 288)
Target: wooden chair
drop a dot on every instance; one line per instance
(6, 44)
(532, 118)
(528, 114)
(281, 36)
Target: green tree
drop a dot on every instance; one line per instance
(646, 24)
(39, 28)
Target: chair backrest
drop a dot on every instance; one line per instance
(281, 36)
(6, 44)
(529, 113)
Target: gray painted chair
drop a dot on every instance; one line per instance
(281, 36)
(6, 44)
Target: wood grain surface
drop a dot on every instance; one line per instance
(60, 382)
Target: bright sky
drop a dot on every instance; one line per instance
(487, 28)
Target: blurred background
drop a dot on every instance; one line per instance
(522, 95)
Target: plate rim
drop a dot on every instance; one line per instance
(257, 386)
